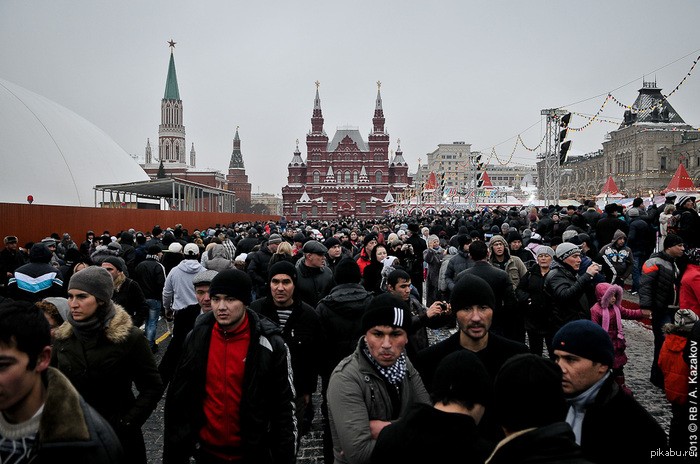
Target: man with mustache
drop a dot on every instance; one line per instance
(472, 301)
(376, 384)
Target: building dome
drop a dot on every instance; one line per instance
(53, 154)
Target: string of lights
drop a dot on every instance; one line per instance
(595, 118)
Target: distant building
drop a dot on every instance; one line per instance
(453, 159)
(266, 203)
(172, 160)
(641, 155)
(346, 177)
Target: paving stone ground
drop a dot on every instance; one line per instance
(640, 342)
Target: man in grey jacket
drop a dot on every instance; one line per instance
(376, 384)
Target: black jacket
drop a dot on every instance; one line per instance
(150, 275)
(130, 297)
(341, 313)
(313, 283)
(658, 283)
(551, 444)
(268, 427)
(257, 270)
(304, 336)
(535, 301)
(568, 293)
(616, 428)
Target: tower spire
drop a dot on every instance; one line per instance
(236, 155)
(317, 116)
(171, 90)
(378, 120)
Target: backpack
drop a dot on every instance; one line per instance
(673, 225)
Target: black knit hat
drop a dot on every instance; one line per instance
(40, 253)
(528, 393)
(331, 242)
(232, 282)
(471, 290)
(347, 271)
(586, 339)
(461, 377)
(672, 240)
(368, 238)
(118, 263)
(282, 267)
(513, 235)
(386, 309)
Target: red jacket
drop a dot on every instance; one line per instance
(689, 295)
(675, 369)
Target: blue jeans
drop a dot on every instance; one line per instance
(154, 308)
(638, 258)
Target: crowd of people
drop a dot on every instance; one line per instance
(258, 312)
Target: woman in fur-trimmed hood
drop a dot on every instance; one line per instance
(104, 355)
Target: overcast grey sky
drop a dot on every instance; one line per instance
(478, 72)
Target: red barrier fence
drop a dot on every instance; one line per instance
(31, 223)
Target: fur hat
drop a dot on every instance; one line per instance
(461, 376)
(586, 339)
(413, 227)
(232, 282)
(672, 240)
(513, 235)
(471, 290)
(347, 271)
(386, 309)
(528, 393)
(93, 280)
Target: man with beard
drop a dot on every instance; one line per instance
(473, 301)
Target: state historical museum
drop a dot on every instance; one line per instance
(346, 177)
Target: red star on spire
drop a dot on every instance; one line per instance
(171, 43)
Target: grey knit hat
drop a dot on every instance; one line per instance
(93, 280)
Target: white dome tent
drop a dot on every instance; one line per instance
(54, 155)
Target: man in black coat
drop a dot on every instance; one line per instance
(609, 424)
(567, 288)
(606, 227)
(419, 246)
(231, 398)
(472, 301)
(301, 330)
(500, 283)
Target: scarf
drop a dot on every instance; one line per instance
(578, 404)
(89, 328)
(618, 320)
(393, 374)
